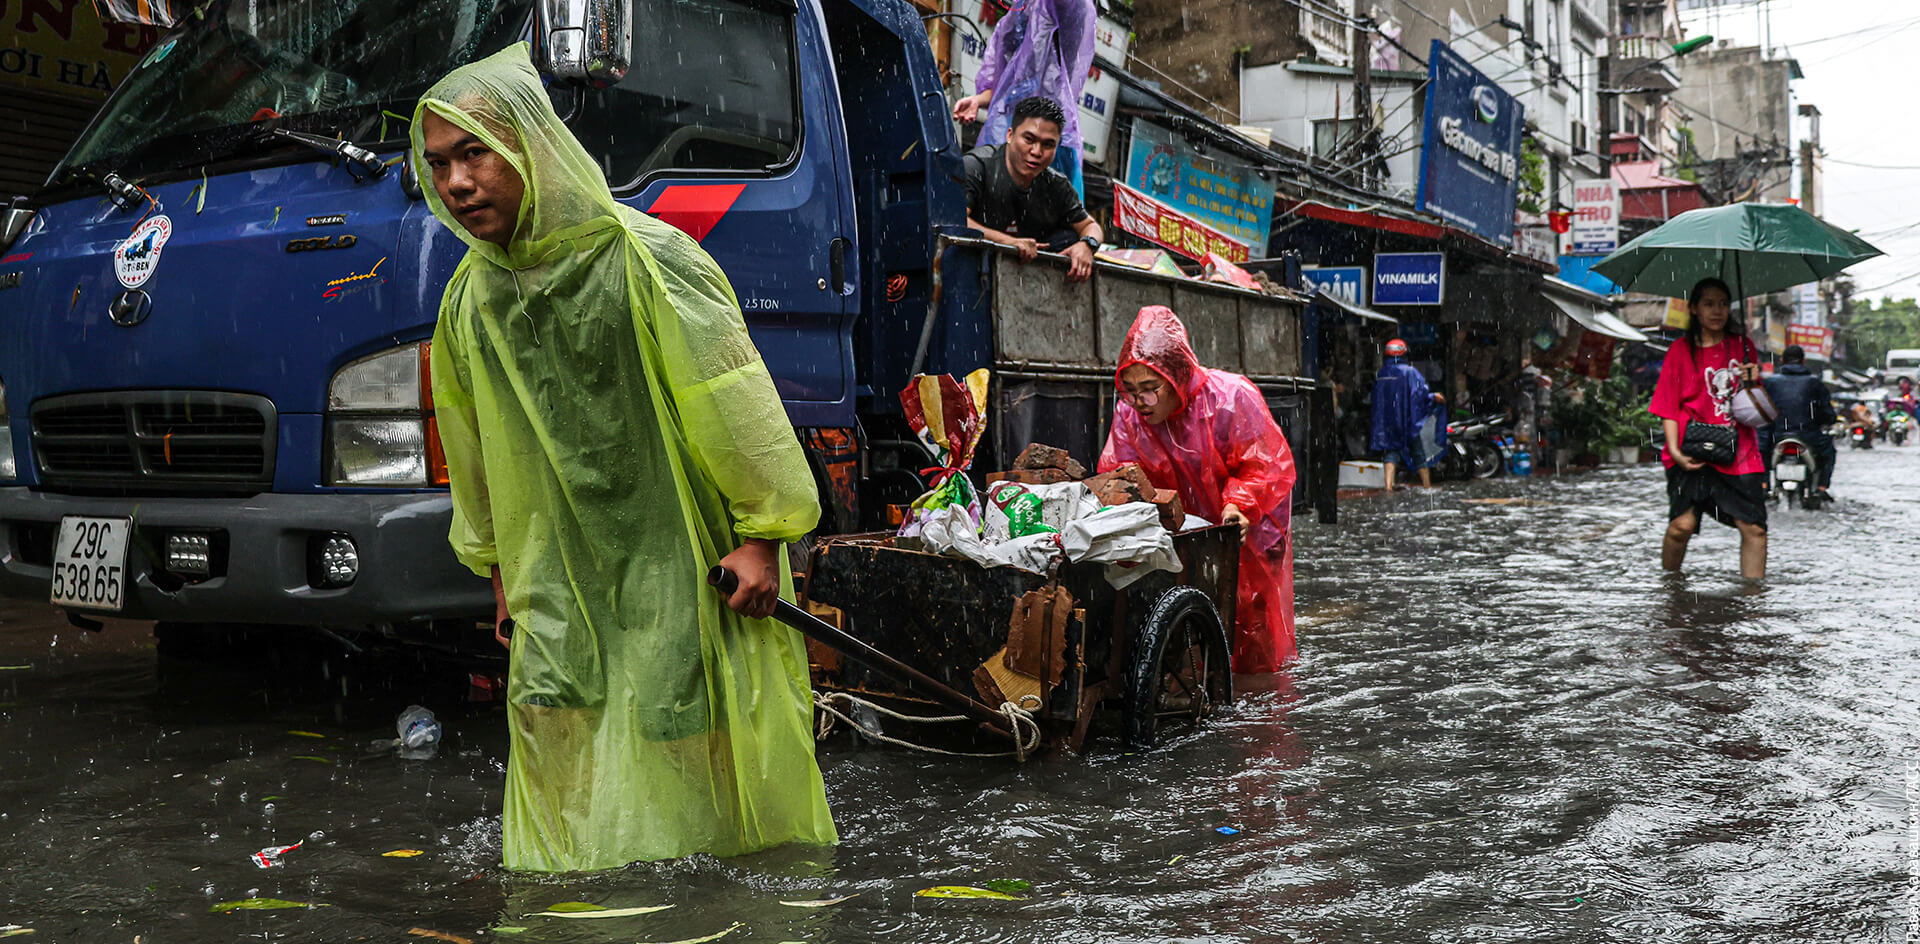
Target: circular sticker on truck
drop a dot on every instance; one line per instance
(135, 258)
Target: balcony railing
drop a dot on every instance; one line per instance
(1638, 64)
(1332, 37)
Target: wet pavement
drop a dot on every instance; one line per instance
(1506, 725)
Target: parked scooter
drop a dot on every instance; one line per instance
(1795, 473)
(1476, 447)
(1860, 435)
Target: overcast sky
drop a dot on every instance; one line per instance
(1861, 58)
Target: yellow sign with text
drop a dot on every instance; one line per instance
(1678, 317)
(61, 47)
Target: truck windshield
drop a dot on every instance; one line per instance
(331, 67)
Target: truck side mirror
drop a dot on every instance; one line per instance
(410, 179)
(589, 41)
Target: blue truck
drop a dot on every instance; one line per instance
(214, 401)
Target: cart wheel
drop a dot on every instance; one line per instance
(1181, 667)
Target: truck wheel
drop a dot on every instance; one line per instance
(1181, 666)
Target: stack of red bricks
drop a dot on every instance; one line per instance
(1040, 464)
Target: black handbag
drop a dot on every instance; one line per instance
(1712, 443)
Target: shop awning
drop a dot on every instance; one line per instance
(1588, 309)
(1358, 311)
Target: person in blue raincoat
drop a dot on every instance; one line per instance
(1402, 405)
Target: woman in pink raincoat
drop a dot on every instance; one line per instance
(1208, 435)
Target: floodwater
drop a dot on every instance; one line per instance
(1506, 725)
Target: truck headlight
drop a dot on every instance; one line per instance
(380, 429)
(7, 467)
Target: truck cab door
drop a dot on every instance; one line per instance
(723, 129)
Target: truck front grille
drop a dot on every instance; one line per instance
(155, 442)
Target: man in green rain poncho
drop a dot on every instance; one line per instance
(610, 434)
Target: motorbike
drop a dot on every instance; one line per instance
(1476, 447)
(1859, 435)
(1898, 427)
(1795, 473)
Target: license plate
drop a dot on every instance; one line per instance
(90, 563)
(1791, 473)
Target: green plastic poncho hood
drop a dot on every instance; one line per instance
(611, 433)
(500, 101)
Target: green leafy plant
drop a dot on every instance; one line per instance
(1602, 415)
(1533, 178)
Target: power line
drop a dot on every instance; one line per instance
(1885, 285)
(1836, 160)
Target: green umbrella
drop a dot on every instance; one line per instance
(1755, 247)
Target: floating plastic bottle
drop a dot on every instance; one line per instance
(419, 733)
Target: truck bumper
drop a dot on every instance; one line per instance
(263, 569)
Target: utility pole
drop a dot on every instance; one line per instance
(1603, 145)
(1368, 136)
(1809, 162)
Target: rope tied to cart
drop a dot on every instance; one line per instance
(1019, 717)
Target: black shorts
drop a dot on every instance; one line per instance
(1728, 499)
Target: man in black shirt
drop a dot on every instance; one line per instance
(1017, 199)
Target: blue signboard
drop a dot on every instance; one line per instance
(1409, 278)
(1228, 195)
(1470, 148)
(1419, 333)
(1347, 283)
(1579, 271)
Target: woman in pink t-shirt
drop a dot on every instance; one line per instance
(1701, 373)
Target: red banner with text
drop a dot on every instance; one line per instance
(1818, 342)
(1164, 226)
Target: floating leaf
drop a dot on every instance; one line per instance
(439, 936)
(509, 929)
(737, 925)
(270, 799)
(306, 734)
(963, 891)
(818, 903)
(1176, 859)
(401, 854)
(318, 760)
(14, 668)
(15, 932)
(1009, 886)
(263, 904)
(580, 909)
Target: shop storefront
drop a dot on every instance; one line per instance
(57, 64)
(1465, 306)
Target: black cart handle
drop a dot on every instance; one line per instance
(859, 651)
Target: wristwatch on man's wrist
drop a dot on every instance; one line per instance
(1092, 243)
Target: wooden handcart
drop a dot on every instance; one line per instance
(1059, 647)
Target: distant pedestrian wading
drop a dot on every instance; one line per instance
(1403, 407)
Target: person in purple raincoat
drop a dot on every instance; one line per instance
(1041, 47)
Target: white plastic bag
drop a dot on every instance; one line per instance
(1752, 407)
(1122, 534)
(951, 531)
